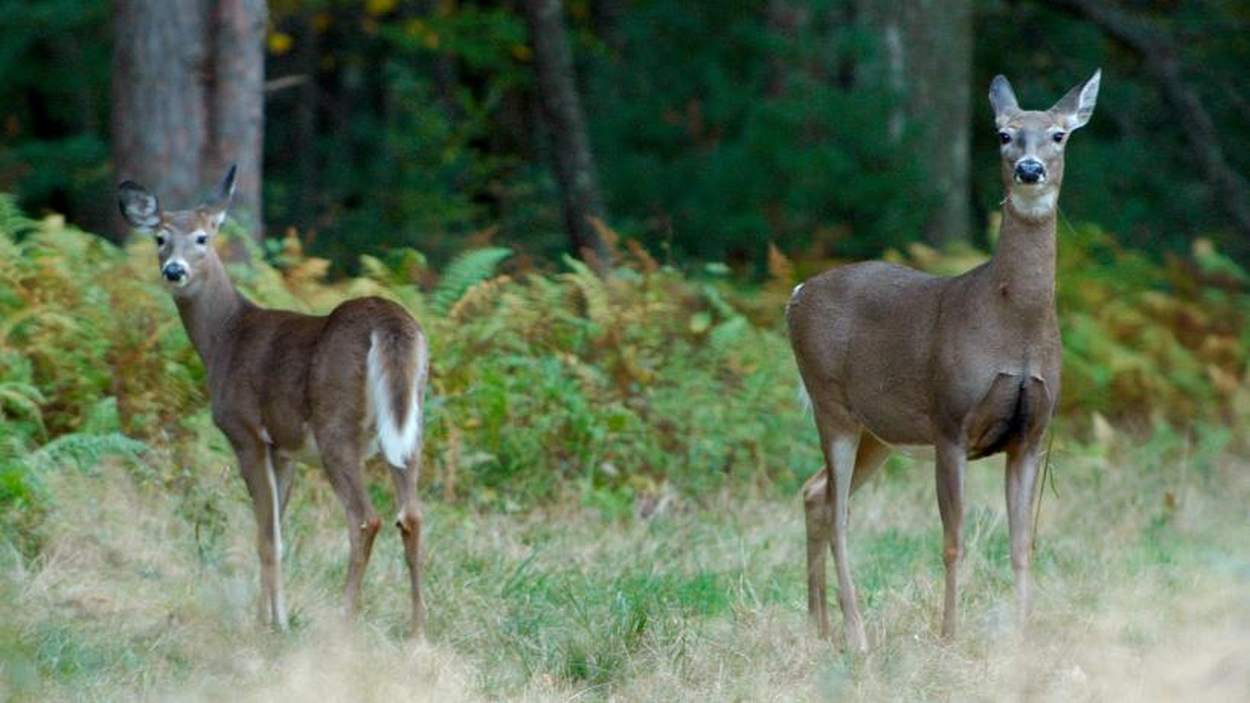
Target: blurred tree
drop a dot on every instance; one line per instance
(717, 126)
(1161, 57)
(54, 76)
(566, 126)
(925, 57)
(724, 126)
(187, 97)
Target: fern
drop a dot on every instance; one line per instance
(85, 450)
(592, 288)
(464, 272)
(23, 399)
(13, 223)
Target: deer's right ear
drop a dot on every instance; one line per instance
(138, 206)
(1003, 99)
(221, 199)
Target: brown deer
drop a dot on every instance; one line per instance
(353, 381)
(968, 364)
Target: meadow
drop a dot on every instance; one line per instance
(611, 496)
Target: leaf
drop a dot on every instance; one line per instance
(464, 272)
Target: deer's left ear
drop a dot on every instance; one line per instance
(220, 202)
(138, 206)
(1077, 106)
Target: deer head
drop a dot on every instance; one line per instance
(1033, 143)
(184, 238)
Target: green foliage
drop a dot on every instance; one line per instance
(54, 74)
(465, 271)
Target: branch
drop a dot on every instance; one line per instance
(1160, 57)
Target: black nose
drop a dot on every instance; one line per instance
(174, 272)
(1030, 171)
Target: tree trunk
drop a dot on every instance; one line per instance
(237, 106)
(160, 121)
(562, 110)
(188, 91)
(927, 58)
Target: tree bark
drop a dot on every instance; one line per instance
(1160, 57)
(188, 91)
(160, 122)
(562, 111)
(927, 59)
(237, 105)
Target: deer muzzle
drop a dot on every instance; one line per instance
(1030, 171)
(175, 272)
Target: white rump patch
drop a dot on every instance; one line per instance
(398, 443)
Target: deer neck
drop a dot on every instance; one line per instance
(1023, 267)
(209, 313)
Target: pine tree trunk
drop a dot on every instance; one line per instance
(926, 56)
(562, 111)
(237, 105)
(160, 121)
(188, 91)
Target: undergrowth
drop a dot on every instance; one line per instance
(615, 392)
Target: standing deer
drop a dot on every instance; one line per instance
(968, 364)
(352, 380)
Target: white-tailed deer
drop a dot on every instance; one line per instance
(353, 381)
(968, 364)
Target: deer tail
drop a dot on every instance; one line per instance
(397, 367)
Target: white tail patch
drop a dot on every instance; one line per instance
(398, 442)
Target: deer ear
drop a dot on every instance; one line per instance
(1002, 99)
(138, 206)
(1077, 106)
(220, 202)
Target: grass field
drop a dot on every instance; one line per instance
(1143, 593)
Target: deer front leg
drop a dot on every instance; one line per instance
(841, 458)
(262, 484)
(1021, 482)
(950, 464)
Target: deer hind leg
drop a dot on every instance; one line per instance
(284, 473)
(951, 460)
(409, 523)
(343, 458)
(262, 485)
(818, 511)
(1021, 482)
(840, 441)
(818, 520)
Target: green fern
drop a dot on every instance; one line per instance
(22, 399)
(13, 222)
(85, 450)
(464, 272)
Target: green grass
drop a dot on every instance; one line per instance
(1142, 581)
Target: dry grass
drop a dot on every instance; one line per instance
(1143, 594)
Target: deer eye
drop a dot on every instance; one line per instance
(160, 240)
(201, 239)
(1004, 137)
(1058, 137)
